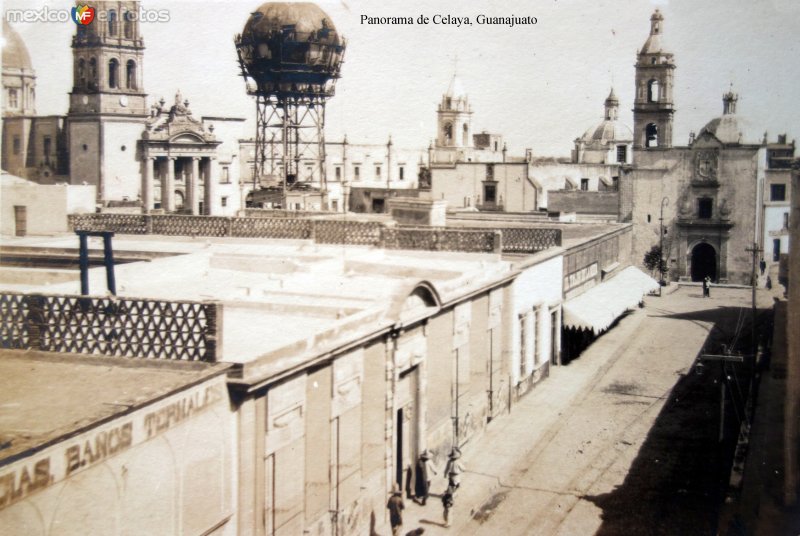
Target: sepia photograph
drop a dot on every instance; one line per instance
(358, 268)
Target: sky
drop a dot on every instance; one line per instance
(540, 86)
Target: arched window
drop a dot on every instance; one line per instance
(465, 135)
(81, 82)
(130, 74)
(128, 25)
(448, 133)
(651, 135)
(93, 73)
(112, 22)
(113, 73)
(653, 91)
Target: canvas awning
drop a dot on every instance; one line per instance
(597, 308)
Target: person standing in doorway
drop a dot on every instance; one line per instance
(396, 507)
(422, 484)
(706, 287)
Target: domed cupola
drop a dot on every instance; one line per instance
(726, 128)
(600, 143)
(19, 78)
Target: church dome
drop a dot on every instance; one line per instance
(726, 129)
(15, 53)
(729, 127)
(609, 130)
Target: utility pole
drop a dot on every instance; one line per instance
(664, 201)
(755, 250)
(723, 358)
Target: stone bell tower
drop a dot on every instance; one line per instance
(454, 117)
(108, 105)
(653, 107)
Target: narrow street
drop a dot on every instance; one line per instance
(623, 440)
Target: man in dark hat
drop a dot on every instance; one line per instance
(422, 484)
(396, 507)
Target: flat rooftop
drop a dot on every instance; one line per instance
(46, 397)
(282, 300)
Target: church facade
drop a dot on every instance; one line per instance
(703, 201)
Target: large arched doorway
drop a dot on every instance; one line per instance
(704, 262)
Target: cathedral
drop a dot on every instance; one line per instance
(153, 158)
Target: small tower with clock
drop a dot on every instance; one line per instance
(108, 108)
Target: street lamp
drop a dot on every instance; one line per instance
(664, 201)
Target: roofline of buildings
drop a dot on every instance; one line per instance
(212, 370)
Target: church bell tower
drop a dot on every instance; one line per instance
(454, 117)
(653, 106)
(107, 106)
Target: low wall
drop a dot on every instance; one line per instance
(367, 233)
(583, 202)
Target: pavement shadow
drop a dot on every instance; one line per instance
(732, 325)
(678, 480)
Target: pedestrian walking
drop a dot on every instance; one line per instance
(396, 507)
(762, 265)
(447, 503)
(769, 283)
(454, 469)
(706, 287)
(422, 484)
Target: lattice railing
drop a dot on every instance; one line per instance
(515, 239)
(129, 327)
(190, 225)
(13, 321)
(326, 231)
(271, 228)
(117, 223)
(366, 233)
(482, 241)
(529, 240)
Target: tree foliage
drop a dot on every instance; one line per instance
(653, 261)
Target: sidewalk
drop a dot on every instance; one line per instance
(490, 459)
(759, 508)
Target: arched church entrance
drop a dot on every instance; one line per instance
(704, 262)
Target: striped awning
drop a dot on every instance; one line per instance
(597, 308)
